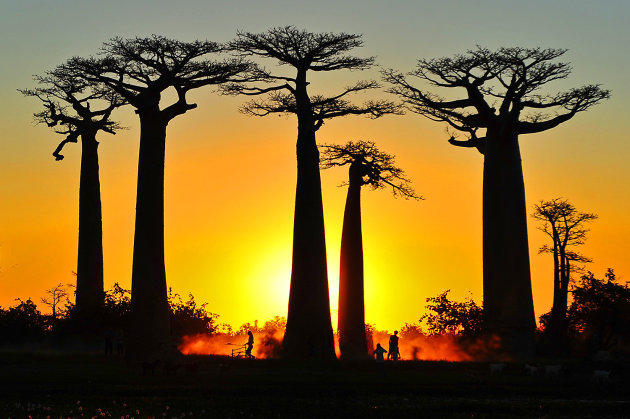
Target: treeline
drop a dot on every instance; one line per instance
(598, 319)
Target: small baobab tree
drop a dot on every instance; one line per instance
(368, 166)
(502, 99)
(309, 330)
(567, 228)
(54, 299)
(79, 110)
(141, 70)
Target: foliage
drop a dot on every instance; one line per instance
(375, 167)
(304, 51)
(22, 323)
(411, 331)
(601, 309)
(502, 86)
(445, 316)
(188, 318)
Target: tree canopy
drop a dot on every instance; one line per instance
(305, 51)
(378, 169)
(501, 89)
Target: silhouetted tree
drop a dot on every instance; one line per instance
(140, 70)
(309, 330)
(22, 323)
(189, 318)
(368, 166)
(600, 310)
(77, 110)
(447, 316)
(566, 227)
(56, 296)
(502, 100)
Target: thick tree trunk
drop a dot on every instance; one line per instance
(89, 291)
(309, 330)
(351, 326)
(507, 292)
(150, 335)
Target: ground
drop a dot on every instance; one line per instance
(79, 385)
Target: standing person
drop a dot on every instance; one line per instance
(250, 344)
(393, 353)
(380, 361)
(379, 351)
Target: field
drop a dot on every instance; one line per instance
(78, 385)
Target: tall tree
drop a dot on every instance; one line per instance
(368, 167)
(78, 110)
(567, 228)
(309, 330)
(503, 98)
(140, 70)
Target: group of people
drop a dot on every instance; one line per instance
(393, 353)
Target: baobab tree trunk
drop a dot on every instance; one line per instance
(89, 291)
(150, 335)
(351, 326)
(309, 329)
(507, 292)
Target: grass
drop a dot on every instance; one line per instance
(75, 385)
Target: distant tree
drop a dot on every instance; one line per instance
(22, 323)
(567, 227)
(372, 167)
(56, 298)
(277, 323)
(77, 110)
(188, 318)
(309, 330)
(140, 70)
(600, 310)
(245, 327)
(118, 302)
(463, 318)
(502, 99)
(411, 331)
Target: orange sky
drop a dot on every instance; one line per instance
(230, 182)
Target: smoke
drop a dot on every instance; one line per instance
(267, 344)
(444, 347)
(412, 346)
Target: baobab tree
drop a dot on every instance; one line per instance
(79, 110)
(141, 70)
(368, 166)
(56, 296)
(309, 330)
(502, 99)
(567, 228)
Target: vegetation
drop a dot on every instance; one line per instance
(567, 228)
(463, 318)
(368, 166)
(309, 329)
(502, 100)
(140, 70)
(79, 110)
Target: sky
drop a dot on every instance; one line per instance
(230, 178)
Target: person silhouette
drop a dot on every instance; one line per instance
(109, 342)
(393, 347)
(379, 351)
(249, 344)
